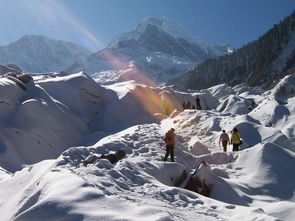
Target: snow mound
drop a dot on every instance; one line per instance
(263, 175)
(221, 90)
(235, 105)
(270, 170)
(284, 89)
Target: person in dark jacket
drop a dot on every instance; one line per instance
(198, 103)
(170, 144)
(188, 105)
(183, 105)
(224, 139)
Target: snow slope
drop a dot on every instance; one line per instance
(255, 183)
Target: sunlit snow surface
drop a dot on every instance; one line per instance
(73, 117)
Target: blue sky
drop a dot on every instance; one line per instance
(94, 23)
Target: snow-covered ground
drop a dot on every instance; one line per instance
(48, 131)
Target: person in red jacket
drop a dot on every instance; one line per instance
(170, 144)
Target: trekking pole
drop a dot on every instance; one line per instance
(183, 185)
(202, 162)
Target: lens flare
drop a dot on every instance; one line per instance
(151, 99)
(53, 16)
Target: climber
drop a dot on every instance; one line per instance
(224, 139)
(236, 139)
(170, 144)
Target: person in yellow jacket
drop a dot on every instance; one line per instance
(235, 139)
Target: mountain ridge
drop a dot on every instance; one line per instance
(153, 50)
(37, 53)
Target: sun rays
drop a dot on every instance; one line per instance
(56, 19)
(53, 16)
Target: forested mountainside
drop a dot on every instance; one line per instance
(261, 62)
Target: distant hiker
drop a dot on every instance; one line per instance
(183, 105)
(188, 105)
(252, 105)
(236, 139)
(198, 102)
(224, 139)
(170, 144)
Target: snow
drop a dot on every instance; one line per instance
(48, 131)
(122, 88)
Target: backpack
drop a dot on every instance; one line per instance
(168, 137)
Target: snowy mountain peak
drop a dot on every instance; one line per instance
(160, 48)
(161, 31)
(33, 37)
(170, 27)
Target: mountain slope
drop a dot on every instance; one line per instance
(162, 35)
(157, 48)
(35, 53)
(258, 63)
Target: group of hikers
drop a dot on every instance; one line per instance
(235, 140)
(188, 105)
(224, 139)
(194, 184)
